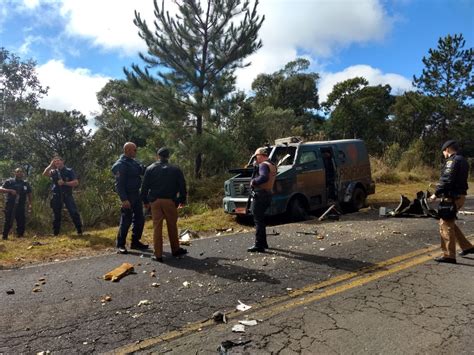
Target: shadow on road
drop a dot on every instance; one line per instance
(336, 263)
(222, 267)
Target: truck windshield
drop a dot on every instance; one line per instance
(283, 155)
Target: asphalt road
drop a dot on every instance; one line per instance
(363, 284)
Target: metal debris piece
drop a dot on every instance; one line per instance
(466, 212)
(238, 328)
(248, 322)
(186, 284)
(242, 307)
(323, 216)
(37, 289)
(219, 316)
(308, 233)
(144, 303)
(187, 235)
(106, 298)
(274, 232)
(117, 273)
(155, 284)
(10, 292)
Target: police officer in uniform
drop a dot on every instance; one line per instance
(452, 188)
(164, 190)
(64, 180)
(262, 185)
(18, 192)
(127, 172)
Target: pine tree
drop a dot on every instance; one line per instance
(195, 54)
(448, 78)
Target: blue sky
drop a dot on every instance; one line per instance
(81, 44)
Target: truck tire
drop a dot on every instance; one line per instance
(358, 200)
(297, 210)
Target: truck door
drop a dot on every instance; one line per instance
(310, 176)
(331, 173)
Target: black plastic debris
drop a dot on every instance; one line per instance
(228, 344)
(419, 207)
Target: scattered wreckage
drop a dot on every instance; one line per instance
(419, 207)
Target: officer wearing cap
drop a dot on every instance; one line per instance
(18, 192)
(164, 190)
(452, 188)
(127, 172)
(262, 185)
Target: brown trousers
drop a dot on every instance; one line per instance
(450, 233)
(164, 209)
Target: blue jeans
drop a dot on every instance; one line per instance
(134, 215)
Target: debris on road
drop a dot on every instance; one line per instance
(105, 299)
(155, 284)
(187, 235)
(186, 284)
(331, 208)
(419, 207)
(238, 328)
(228, 344)
(10, 292)
(248, 322)
(466, 212)
(307, 233)
(242, 307)
(274, 232)
(37, 289)
(35, 244)
(47, 352)
(219, 316)
(144, 303)
(117, 273)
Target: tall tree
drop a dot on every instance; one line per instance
(195, 54)
(47, 133)
(360, 111)
(20, 91)
(448, 78)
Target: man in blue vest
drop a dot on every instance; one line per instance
(127, 172)
(64, 180)
(18, 192)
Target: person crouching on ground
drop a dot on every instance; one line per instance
(452, 188)
(164, 190)
(263, 186)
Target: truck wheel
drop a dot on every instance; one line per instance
(297, 210)
(358, 199)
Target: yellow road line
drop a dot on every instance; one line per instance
(279, 304)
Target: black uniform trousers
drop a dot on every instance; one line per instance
(57, 202)
(14, 212)
(261, 201)
(134, 215)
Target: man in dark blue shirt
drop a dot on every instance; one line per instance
(164, 190)
(127, 172)
(64, 180)
(18, 192)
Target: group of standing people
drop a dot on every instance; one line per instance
(163, 192)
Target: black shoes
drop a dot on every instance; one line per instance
(122, 250)
(256, 249)
(467, 251)
(180, 251)
(443, 259)
(139, 245)
(157, 259)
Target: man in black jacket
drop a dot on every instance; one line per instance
(164, 190)
(452, 188)
(18, 191)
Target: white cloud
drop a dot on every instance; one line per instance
(70, 89)
(108, 23)
(31, 4)
(318, 28)
(374, 76)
